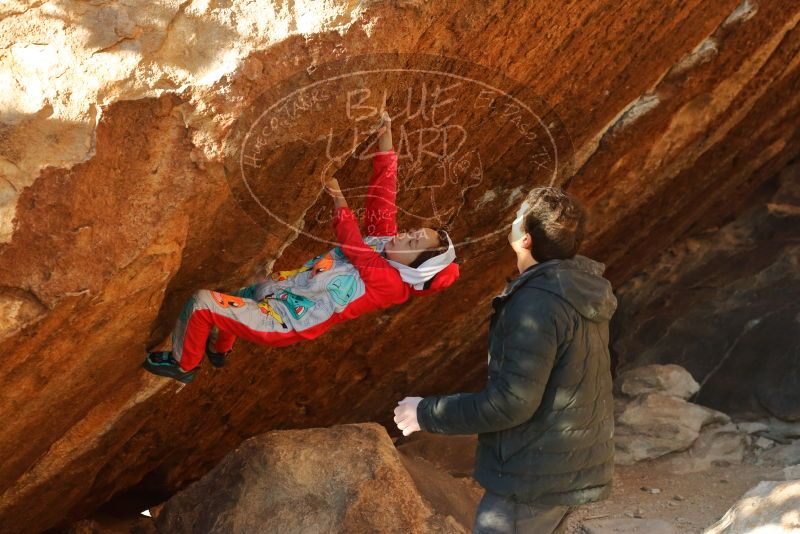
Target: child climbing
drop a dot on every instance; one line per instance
(359, 276)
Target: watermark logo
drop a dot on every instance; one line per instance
(470, 144)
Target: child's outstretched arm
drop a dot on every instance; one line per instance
(332, 187)
(381, 278)
(380, 212)
(384, 133)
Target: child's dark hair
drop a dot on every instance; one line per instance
(556, 222)
(432, 252)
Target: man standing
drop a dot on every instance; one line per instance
(545, 418)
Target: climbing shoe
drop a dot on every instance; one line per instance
(217, 359)
(163, 364)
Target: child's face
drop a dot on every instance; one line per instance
(406, 246)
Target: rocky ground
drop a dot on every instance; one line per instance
(687, 503)
(642, 493)
(681, 468)
(647, 496)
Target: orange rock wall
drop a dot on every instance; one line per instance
(116, 207)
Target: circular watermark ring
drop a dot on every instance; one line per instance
(470, 143)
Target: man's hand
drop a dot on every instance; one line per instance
(405, 415)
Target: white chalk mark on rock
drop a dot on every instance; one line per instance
(744, 11)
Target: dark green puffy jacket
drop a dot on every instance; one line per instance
(545, 419)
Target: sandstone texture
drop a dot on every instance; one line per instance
(717, 444)
(346, 479)
(654, 425)
(792, 472)
(121, 125)
(725, 305)
(453, 454)
(672, 380)
(768, 507)
(781, 455)
(654, 421)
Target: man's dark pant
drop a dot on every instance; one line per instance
(498, 515)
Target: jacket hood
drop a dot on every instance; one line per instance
(577, 280)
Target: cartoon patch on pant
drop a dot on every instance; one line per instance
(324, 263)
(280, 276)
(342, 288)
(298, 305)
(227, 301)
(318, 264)
(266, 308)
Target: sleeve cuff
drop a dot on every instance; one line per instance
(424, 419)
(383, 153)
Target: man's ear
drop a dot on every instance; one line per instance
(527, 241)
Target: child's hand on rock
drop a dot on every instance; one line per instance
(384, 131)
(384, 125)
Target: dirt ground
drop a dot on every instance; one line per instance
(441, 467)
(691, 502)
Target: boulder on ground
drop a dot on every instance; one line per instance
(653, 425)
(446, 494)
(792, 472)
(442, 467)
(753, 427)
(346, 479)
(717, 444)
(671, 379)
(770, 507)
(783, 430)
(781, 455)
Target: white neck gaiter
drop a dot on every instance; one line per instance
(428, 269)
